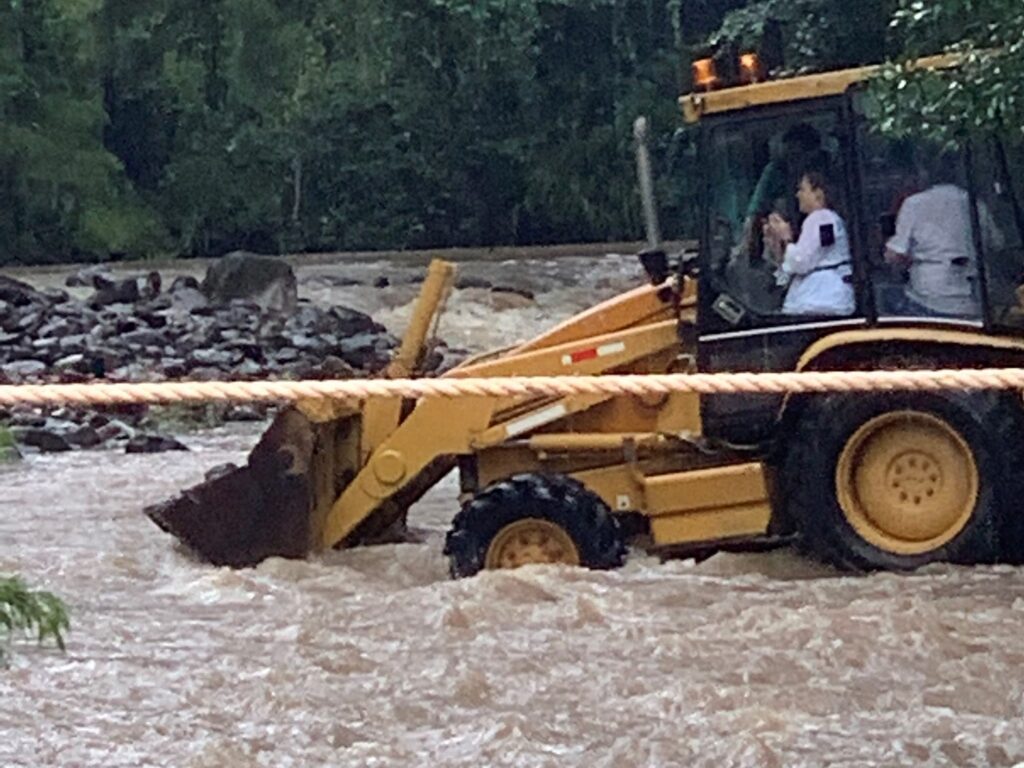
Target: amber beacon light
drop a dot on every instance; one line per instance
(705, 76)
(750, 68)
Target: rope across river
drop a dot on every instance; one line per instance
(154, 393)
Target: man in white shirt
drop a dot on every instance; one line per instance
(934, 241)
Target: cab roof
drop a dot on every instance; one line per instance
(816, 86)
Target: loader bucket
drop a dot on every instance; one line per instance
(275, 504)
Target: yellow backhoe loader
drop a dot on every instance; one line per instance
(865, 481)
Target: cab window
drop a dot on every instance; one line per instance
(998, 182)
(767, 178)
(921, 249)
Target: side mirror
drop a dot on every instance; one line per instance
(655, 264)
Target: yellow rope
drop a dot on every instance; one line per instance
(360, 389)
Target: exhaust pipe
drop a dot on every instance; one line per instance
(646, 178)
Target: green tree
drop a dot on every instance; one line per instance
(802, 35)
(61, 192)
(199, 126)
(983, 94)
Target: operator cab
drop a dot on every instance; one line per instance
(921, 236)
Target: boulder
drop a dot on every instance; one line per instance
(335, 368)
(188, 299)
(249, 369)
(18, 293)
(183, 281)
(262, 280)
(72, 363)
(217, 358)
(45, 439)
(369, 351)
(54, 295)
(468, 281)
(174, 367)
(141, 337)
(84, 437)
(349, 322)
(153, 444)
(24, 369)
(25, 416)
(88, 277)
(122, 292)
(30, 321)
(73, 343)
(245, 412)
(115, 430)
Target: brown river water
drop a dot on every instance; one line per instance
(373, 657)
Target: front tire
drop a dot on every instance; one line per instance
(533, 518)
(899, 480)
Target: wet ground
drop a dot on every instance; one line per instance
(372, 657)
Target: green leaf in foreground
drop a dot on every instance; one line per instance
(27, 612)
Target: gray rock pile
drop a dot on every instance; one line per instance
(131, 332)
(243, 322)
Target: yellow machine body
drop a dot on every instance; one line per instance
(329, 474)
(352, 473)
(639, 455)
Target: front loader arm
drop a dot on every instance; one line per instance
(441, 428)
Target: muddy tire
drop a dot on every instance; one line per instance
(533, 518)
(899, 480)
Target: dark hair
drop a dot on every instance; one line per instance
(945, 168)
(818, 179)
(805, 135)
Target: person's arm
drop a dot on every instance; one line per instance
(897, 250)
(803, 256)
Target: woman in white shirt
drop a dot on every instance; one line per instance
(816, 267)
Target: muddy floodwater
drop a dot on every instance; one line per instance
(372, 657)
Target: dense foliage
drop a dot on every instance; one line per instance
(800, 35)
(985, 94)
(193, 127)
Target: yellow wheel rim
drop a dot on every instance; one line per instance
(907, 482)
(531, 541)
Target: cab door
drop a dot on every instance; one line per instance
(754, 163)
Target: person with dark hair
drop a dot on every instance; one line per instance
(799, 147)
(747, 267)
(816, 266)
(934, 242)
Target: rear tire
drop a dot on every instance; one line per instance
(533, 518)
(899, 480)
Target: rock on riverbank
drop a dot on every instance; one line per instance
(136, 330)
